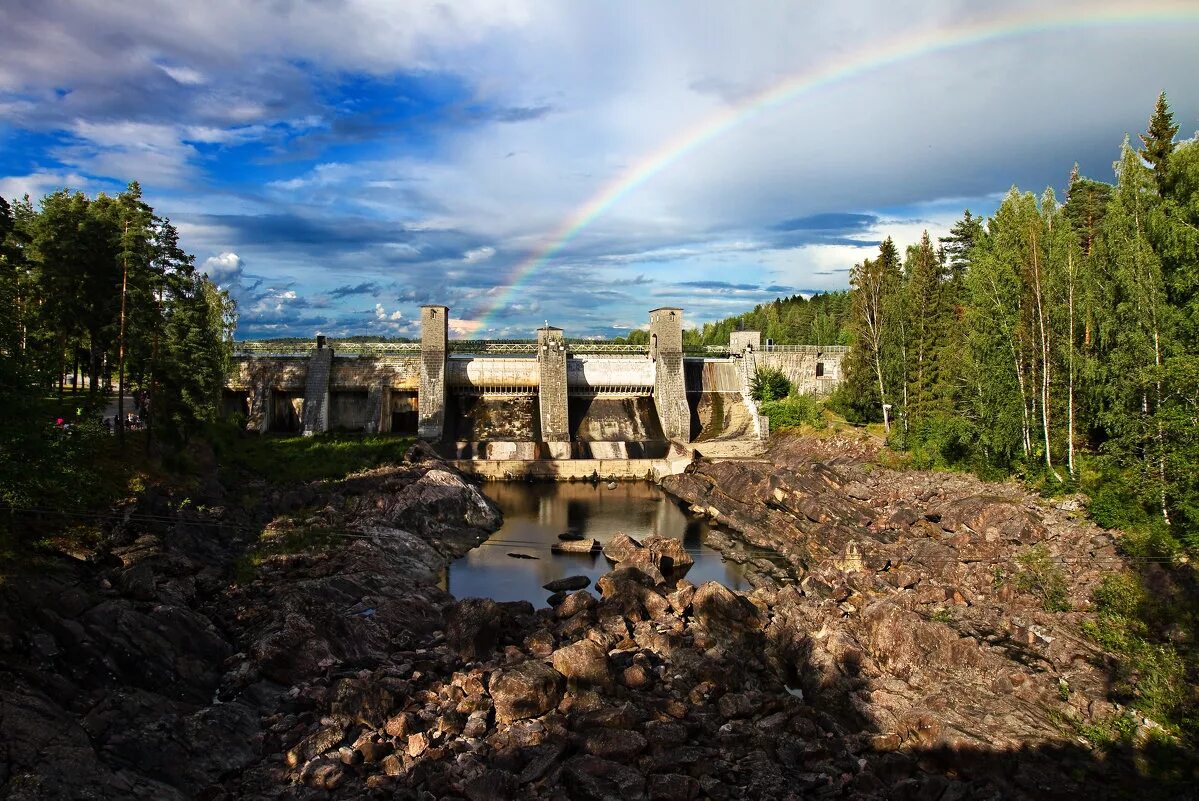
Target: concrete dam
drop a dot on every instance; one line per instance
(545, 400)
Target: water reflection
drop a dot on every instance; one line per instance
(534, 516)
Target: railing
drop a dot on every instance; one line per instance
(805, 349)
(491, 346)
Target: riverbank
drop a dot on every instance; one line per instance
(266, 641)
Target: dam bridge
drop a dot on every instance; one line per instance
(544, 399)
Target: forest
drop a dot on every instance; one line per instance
(1057, 339)
(99, 298)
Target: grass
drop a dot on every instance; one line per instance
(292, 459)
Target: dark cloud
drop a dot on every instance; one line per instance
(365, 288)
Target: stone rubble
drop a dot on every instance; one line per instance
(878, 656)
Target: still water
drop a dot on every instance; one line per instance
(534, 516)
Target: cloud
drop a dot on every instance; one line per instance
(224, 268)
(347, 290)
(478, 254)
(604, 143)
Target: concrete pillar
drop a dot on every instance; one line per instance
(670, 390)
(434, 337)
(315, 418)
(552, 395)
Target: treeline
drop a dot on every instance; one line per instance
(97, 288)
(822, 319)
(1048, 331)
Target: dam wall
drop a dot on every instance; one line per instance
(526, 400)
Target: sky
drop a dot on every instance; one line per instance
(337, 163)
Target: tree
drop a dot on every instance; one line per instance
(1158, 141)
(876, 285)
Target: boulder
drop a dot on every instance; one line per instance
(472, 627)
(584, 663)
(526, 690)
(567, 584)
(576, 546)
(621, 547)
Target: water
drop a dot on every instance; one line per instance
(534, 516)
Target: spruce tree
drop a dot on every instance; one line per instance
(1158, 142)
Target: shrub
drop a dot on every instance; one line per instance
(769, 384)
(1040, 576)
(793, 412)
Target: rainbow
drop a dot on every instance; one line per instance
(867, 59)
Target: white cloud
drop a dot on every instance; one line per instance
(223, 268)
(478, 254)
(183, 75)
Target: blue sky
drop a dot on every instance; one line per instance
(336, 164)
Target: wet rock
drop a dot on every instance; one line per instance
(570, 536)
(518, 555)
(525, 691)
(576, 546)
(567, 584)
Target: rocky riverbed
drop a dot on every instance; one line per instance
(886, 652)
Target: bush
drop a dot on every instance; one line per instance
(793, 412)
(769, 384)
(1040, 576)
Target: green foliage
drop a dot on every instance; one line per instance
(1046, 334)
(98, 285)
(793, 412)
(769, 384)
(288, 459)
(1040, 575)
(1142, 630)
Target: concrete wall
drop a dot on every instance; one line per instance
(395, 372)
(800, 367)
(434, 337)
(590, 374)
(520, 373)
(350, 410)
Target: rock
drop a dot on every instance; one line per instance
(643, 563)
(567, 584)
(673, 787)
(722, 613)
(473, 626)
(315, 744)
(518, 555)
(621, 547)
(576, 602)
(576, 546)
(417, 744)
(591, 778)
(570, 536)
(635, 677)
(491, 785)
(585, 663)
(670, 557)
(524, 691)
(619, 745)
(323, 773)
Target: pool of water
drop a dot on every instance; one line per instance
(535, 514)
